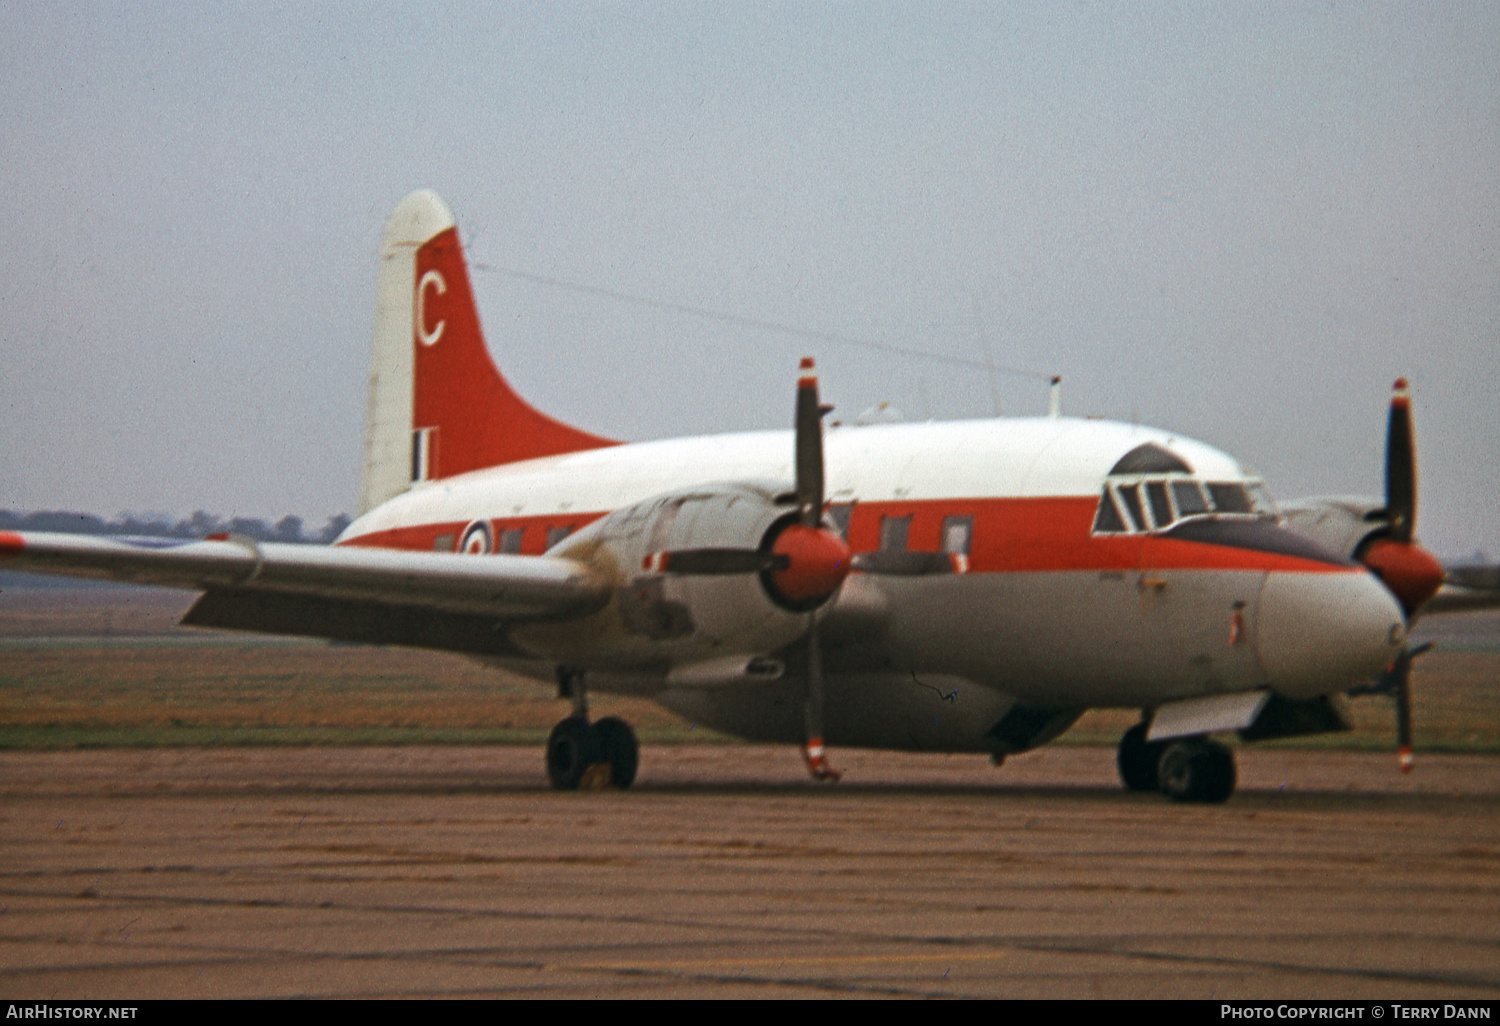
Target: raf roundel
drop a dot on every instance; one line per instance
(429, 338)
(477, 539)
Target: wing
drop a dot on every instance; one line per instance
(1471, 586)
(431, 599)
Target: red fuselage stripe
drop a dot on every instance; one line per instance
(1009, 536)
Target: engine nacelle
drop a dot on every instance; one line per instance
(1340, 525)
(697, 577)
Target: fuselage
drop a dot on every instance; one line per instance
(1183, 586)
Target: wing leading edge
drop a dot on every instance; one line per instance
(425, 584)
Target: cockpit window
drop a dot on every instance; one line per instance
(1132, 498)
(1107, 520)
(1189, 498)
(1161, 509)
(1229, 498)
(1171, 498)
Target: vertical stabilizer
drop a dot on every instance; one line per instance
(437, 404)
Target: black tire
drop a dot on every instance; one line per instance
(1137, 760)
(615, 742)
(1196, 770)
(571, 750)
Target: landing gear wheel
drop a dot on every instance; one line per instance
(615, 743)
(1137, 759)
(1196, 770)
(571, 750)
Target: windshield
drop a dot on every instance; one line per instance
(1150, 502)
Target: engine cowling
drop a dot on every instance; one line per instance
(1358, 528)
(1340, 525)
(700, 573)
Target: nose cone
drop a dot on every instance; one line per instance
(1319, 633)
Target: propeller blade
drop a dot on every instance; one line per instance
(1397, 681)
(1408, 570)
(1402, 696)
(907, 564)
(809, 424)
(1400, 467)
(710, 562)
(817, 762)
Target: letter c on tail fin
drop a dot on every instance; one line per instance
(428, 336)
(437, 404)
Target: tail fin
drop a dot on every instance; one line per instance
(438, 406)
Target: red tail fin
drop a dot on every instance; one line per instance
(464, 412)
(438, 406)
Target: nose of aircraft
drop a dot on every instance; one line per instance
(1324, 632)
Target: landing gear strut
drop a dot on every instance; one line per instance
(1190, 769)
(579, 751)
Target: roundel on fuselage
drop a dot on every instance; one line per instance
(477, 539)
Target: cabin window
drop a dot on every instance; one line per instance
(510, 540)
(893, 532)
(956, 534)
(557, 534)
(839, 514)
(442, 543)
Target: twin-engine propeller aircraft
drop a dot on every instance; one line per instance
(956, 587)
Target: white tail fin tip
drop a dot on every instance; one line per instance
(419, 217)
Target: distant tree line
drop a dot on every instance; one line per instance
(155, 525)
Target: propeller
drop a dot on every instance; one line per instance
(801, 563)
(1408, 570)
(811, 535)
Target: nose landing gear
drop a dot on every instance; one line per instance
(580, 753)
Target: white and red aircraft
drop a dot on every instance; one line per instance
(959, 587)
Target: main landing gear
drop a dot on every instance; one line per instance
(1190, 769)
(580, 753)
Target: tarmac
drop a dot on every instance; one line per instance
(420, 872)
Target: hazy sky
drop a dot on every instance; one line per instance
(1239, 221)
